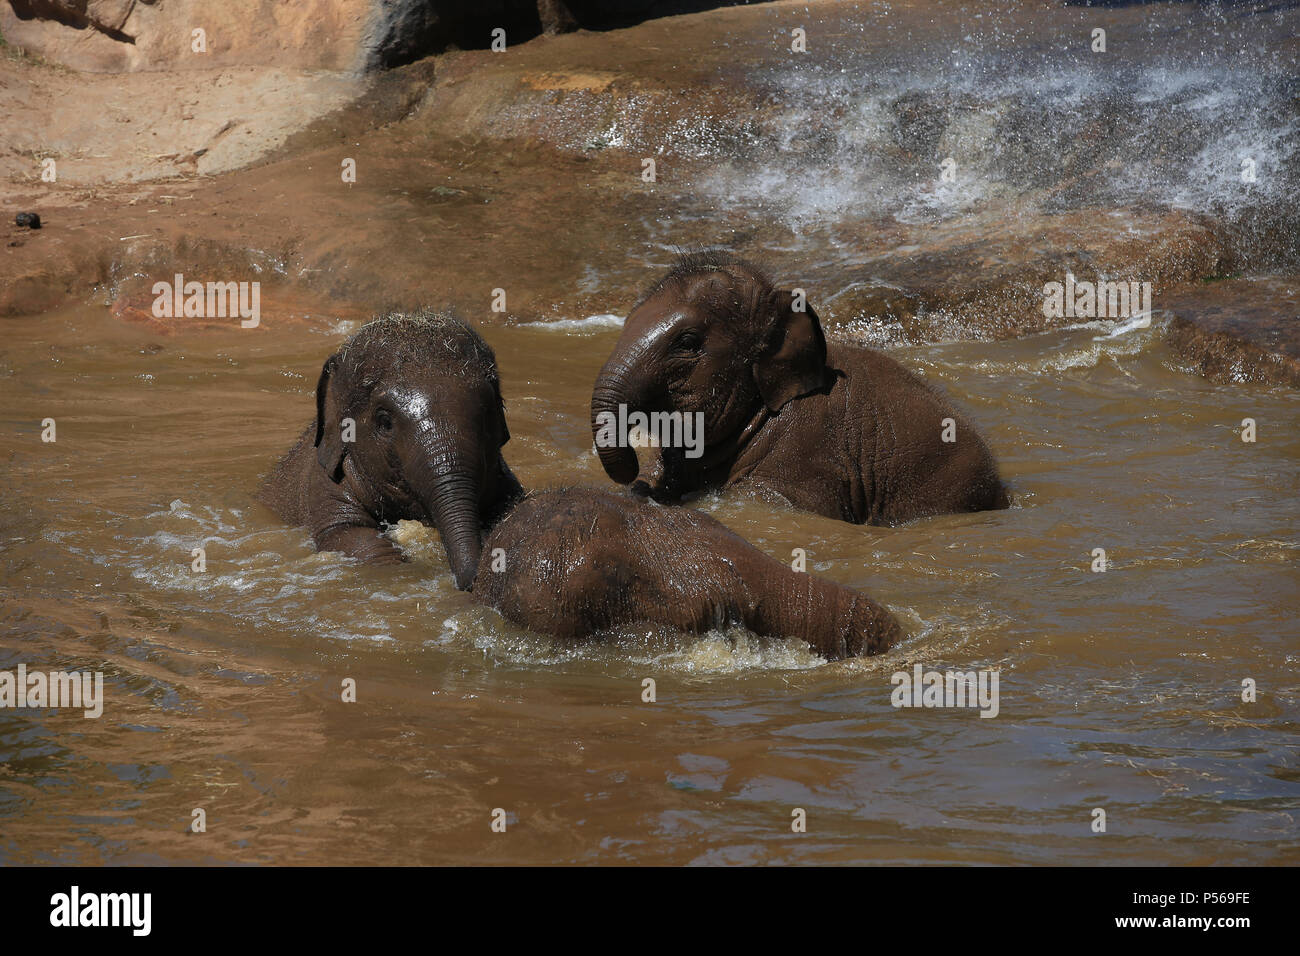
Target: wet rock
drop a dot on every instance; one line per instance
(1239, 330)
(871, 302)
(919, 123)
(523, 172)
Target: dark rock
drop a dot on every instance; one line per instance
(402, 31)
(28, 220)
(1239, 330)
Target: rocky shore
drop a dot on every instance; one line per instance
(526, 170)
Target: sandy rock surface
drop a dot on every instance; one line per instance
(479, 170)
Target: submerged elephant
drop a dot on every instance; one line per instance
(839, 430)
(579, 561)
(424, 398)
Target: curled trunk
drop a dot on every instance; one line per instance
(620, 384)
(618, 460)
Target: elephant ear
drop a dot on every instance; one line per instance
(329, 423)
(501, 412)
(793, 360)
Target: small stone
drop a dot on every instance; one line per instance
(29, 220)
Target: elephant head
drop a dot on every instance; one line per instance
(409, 418)
(714, 337)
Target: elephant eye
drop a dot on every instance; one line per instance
(384, 420)
(690, 341)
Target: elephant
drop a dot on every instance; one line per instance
(424, 396)
(576, 562)
(376, 452)
(835, 429)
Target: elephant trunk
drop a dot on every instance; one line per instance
(616, 388)
(449, 493)
(837, 621)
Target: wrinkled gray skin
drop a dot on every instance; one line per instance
(841, 431)
(570, 563)
(423, 394)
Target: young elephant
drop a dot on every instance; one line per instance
(424, 399)
(409, 424)
(839, 430)
(578, 561)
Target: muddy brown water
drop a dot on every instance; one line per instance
(1119, 690)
